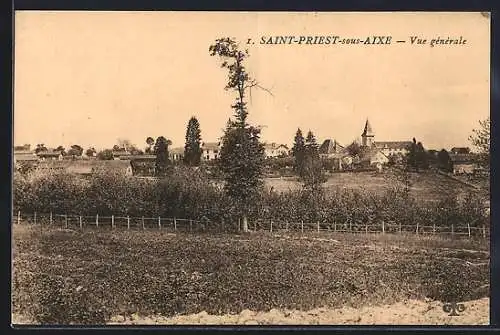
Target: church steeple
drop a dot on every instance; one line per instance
(368, 135)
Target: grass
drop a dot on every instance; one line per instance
(427, 186)
(73, 277)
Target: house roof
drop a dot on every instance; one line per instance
(146, 158)
(210, 146)
(367, 153)
(463, 150)
(393, 144)
(330, 146)
(368, 129)
(121, 153)
(462, 158)
(86, 166)
(49, 153)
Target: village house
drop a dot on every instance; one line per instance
(463, 163)
(459, 151)
(399, 148)
(176, 154)
(370, 154)
(87, 167)
(275, 150)
(330, 149)
(210, 150)
(121, 155)
(24, 157)
(143, 165)
(50, 154)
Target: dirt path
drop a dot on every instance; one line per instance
(411, 312)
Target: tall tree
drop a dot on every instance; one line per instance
(161, 152)
(312, 170)
(150, 142)
(421, 157)
(298, 151)
(480, 139)
(411, 159)
(444, 161)
(242, 155)
(192, 148)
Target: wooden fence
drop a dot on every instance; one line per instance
(188, 225)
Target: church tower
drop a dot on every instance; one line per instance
(367, 136)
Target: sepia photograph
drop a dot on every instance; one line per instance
(250, 168)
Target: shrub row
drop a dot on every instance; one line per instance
(190, 194)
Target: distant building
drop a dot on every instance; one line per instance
(143, 165)
(121, 155)
(460, 151)
(176, 154)
(50, 155)
(330, 149)
(87, 167)
(275, 150)
(367, 136)
(210, 150)
(388, 148)
(24, 158)
(463, 163)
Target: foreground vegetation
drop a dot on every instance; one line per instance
(190, 194)
(65, 276)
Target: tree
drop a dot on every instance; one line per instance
(161, 151)
(106, 154)
(421, 157)
(312, 171)
(298, 151)
(75, 150)
(242, 155)
(40, 148)
(411, 161)
(192, 148)
(444, 161)
(150, 142)
(354, 148)
(480, 139)
(90, 152)
(61, 150)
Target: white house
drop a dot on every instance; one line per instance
(210, 150)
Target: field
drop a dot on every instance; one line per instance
(98, 277)
(426, 186)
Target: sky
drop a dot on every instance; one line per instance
(92, 78)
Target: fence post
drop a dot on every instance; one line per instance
(416, 230)
(143, 223)
(350, 226)
(159, 222)
(65, 220)
(239, 225)
(80, 219)
(383, 227)
(286, 228)
(366, 228)
(97, 220)
(317, 226)
(452, 230)
(302, 227)
(468, 228)
(50, 218)
(128, 222)
(175, 224)
(271, 229)
(18, 217)
(400, 231)
(484, 232)
(334, 226)
(190, 225)
(434, 228)
(34, 219)
(112, 222)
